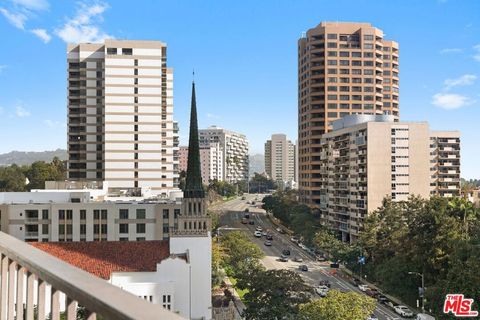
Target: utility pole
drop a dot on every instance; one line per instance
(421, 275)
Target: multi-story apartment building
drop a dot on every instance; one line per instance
(211, 161)
(234, 147)
(120, 115)
(280, 158)
(445, 153)
(343, 69)
(366, 158)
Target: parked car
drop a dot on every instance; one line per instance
(403, 311)
(283, 258)
(268, 243)
(257, 234)
(294, 239)
(286, 252)
(264, 233)
(372, 317)
(372, 293)
(303, 267)
(382, 299)
(325, 283)
(390, 303)
(259, 228)
(321, 258)
(334, 265)
(246, 216)
(251, 222)
(363, 287)
(355, 281)
(281, 231)
(322, 290)
(298, 259)
(244, 220)
(269, 237)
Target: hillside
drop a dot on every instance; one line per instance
(28, 157)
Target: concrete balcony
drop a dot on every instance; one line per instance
(38, 281)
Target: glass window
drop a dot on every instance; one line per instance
(127, 51)
(332, 53)
(61, 214)
(83, 229)
(111, 50)
(332, 62)
(141, 213)
(166, 213)
(332, 114)
(123, 227)
(331, 45)
(140, 227)
(332, 36)
(123, 213)
(356, 54)
(104, 214)
(368, 37)
(344, 54)
(344, 62)
(83, 214)
(368, 46)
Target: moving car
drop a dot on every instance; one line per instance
(372, 317)
(372, 293)
(321, 258)
(251, 222)
(257, 234)
(294, 239)
(247, 216)
(322, 290)
(269, 237)
(259, 228)
(286, 252)
(268, 243)
(298, 259)
(403, 311)
(303, 267)
(363, 287)
(264, 233)
(325, 283)
(283, 258)
(382, 299)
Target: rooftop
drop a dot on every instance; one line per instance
(104, 257)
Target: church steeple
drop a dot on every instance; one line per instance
(193, 184)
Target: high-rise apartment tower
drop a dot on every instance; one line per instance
(280, 158)
(343, 68)
(120, 116)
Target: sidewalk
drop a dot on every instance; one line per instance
(239, 305)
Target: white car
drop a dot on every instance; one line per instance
(259, 228)
(322, 290)
(268, 243)
(257, 234)
(403, 311)
(363, 287)
(372, 317)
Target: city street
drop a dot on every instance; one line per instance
(232, 214)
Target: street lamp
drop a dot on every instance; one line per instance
(423, 287)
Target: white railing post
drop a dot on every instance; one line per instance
(12, 270)
(41, 303)
(30, 288)
(55, 304)
(3, 302)
(20, 291)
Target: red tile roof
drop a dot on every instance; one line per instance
(103, 258)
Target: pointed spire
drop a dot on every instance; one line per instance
(193, 184)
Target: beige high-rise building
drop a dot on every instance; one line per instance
(366, 158)
(211, 161)
(280, 159)
(120, 116)
(343, 68)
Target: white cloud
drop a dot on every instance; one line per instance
(476, 56)
(465, 80)
(15, 19)
(42, 34)
(451, 50)
(212, 116)
(32, 4)
(84, 26)
(54, 124)
(450, 101)
(21, 112)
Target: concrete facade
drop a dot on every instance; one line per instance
(211, 161)
(280, 156)
(343, 68)
(234, 147)
(120, 116)
(367, 158)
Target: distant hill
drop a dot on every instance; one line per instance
(28, 157)
(257, 163)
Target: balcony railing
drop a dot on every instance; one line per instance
(27, 272)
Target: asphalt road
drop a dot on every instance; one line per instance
(232, 213)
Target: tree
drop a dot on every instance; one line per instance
(218, 256)
(12, 179)
(275, 294)
(338, 306)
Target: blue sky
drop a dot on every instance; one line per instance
(244, 56)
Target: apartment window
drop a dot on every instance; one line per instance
(141, 227)
(123, 227)
(44, 228)
(344, 71)
(44, 214)
(166, 213)
(96, 229)
(61, 229)
(332, 97)
(135, 62)
(332, 80)
(344, 54)
(61, 214)
(332, 106)
(123, 213)
(344, 62)
(104, 214)
(167, 303)
(176, 213)
(69, 214)
(96, 214)
(104, 229)
(368, 54)
(83, 229)
(331, 45)
(69, 229)
(127, 51)
(331, 71)
(368, 63)
(368, 37)
(332, 36)
(368, 46)
(141, 213)
(332, 88)
(111, 50)
(368, 72)
(332, 53)
(356, 71)
(141, 238)
(344, 106)
(332, 62)
(356, 54)
(165, 228)
(332, 114)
